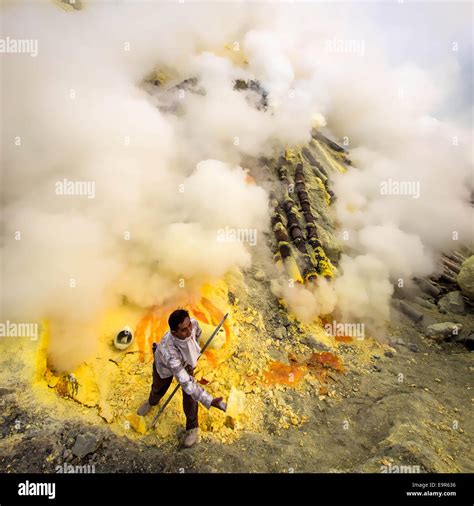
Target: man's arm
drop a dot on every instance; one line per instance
(186, 381)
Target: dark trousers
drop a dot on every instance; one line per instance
(159, 389)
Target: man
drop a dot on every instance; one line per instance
(176, 355)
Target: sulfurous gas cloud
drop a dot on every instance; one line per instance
(106, 195)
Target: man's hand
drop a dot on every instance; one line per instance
(218, 403)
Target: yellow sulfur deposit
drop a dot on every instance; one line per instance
(233, 52)
(325, 266)
(137, 423)
(327, 197)
(293, 270)
(293, 156)
(218, 341)
(235, 403)
(330, 159)
(113, 383)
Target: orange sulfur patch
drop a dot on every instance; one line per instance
(344, 339)
(283, 374)
(211, 358)
(152, 327)
(199, 315)
(326, 359)
(216, 315)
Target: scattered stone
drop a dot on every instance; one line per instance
(67, 453)
(441, 331)
(377, 368)
(413, 347)
(85, 444)
(389, 354)
(465, 277)
(452, 302)
(278, 355)
(259, 275)
(280, 333)
(466, 337)
(399, 341)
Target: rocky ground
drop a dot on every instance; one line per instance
(411, 405)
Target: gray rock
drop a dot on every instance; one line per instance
(259, 275)
(313, 343)
(280, 333)
(445, 330)
(465, 277)
(413, 347)
(85, 444)
(278, 355)
(67, 453)
(452, 302)
(466, 337)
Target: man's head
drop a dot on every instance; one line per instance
(180, 324)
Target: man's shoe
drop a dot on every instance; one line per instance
(191, 437)
(144, 409)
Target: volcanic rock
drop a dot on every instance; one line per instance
(452, 302)
(466, 277)
(445, 330)
(85, 444)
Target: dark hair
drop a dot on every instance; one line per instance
(176, 317)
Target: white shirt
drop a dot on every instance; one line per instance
(173, 354)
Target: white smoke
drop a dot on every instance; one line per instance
(165, 184)
(388, 116)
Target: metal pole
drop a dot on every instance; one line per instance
(176, 388)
